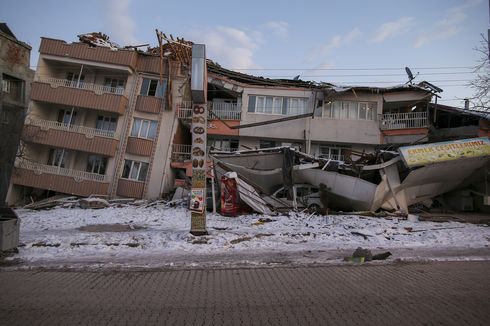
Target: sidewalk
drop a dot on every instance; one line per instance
(443, 293)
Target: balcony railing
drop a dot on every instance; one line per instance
(39, 168)
(96, 88)
(89, 132)
(181, 152)
(225, 111)
(390, 121)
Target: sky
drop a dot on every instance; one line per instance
(350, 42)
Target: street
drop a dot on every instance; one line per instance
(442, 293)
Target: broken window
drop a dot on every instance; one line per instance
(144, 128)
(96, 164)
(152, 87)
(135, 170)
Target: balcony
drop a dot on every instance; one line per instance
(85, 95)
(181, 152)
(78, 138)
(83, 51)
(224, 111)
(130, 188)
(58, 179)
(139, 146)
(411, 120)
(150, 104)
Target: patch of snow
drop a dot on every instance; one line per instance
(54, 236)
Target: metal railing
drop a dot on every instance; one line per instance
(97, 88)
(48, 124)
(181, 152)
(50, 169)
(390, 121)
(225, 111)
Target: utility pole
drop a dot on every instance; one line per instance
(199, 128)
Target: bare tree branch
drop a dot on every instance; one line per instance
(481, 83)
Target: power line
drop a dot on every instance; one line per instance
(358, 69)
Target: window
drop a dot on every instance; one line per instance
(276, 105)
(4, 118)
(113, 85)
(144, 128)
(58, 157)
(331, 152)
(268, 105)
(6, 86)
(105, 123)
(67, 117)
(135, 170)
(96, 164)
(152, 87)
(72, 79)
(267, 144)
(367, 110)
(296, 106)
(13, 88)
(350, 110)
(224, 144)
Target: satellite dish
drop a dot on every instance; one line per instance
(409, 74)
(296, 78)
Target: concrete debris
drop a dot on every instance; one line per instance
(362, 255)
(98, 39)
(94, 203)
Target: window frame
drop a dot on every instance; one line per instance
(146, 86)
(139, 122)
(132, 171)
(99, 163)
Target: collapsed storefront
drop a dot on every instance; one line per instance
(387, 180)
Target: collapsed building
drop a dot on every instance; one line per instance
(111, 121)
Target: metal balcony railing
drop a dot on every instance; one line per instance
(225, 111)
(90, 132)
(390, 121)
(96, 88)
(181, 152)
(56, 170)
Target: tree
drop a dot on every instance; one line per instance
(481, 83)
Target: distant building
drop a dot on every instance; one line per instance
(15, 80)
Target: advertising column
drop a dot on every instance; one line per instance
(199, 133)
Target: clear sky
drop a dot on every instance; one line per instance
(361, 42)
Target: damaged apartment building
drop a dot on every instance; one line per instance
(115, 122)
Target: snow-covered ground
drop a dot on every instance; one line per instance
(159, 236)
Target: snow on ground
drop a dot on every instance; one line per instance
(51, 236)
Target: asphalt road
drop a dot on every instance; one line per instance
(436, 293)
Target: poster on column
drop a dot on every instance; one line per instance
(197, 200)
